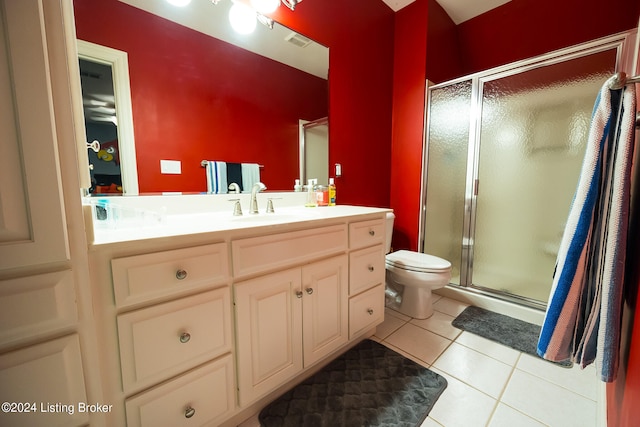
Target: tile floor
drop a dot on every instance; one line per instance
(490, 384)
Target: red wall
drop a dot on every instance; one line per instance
(426, 48)
(184, 107)
(523, 29)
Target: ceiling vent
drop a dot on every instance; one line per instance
(298, 40)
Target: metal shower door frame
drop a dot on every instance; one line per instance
(472, 183)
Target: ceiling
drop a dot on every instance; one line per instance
(458, 10)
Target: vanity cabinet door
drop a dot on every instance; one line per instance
(324, 308)
(269, 330)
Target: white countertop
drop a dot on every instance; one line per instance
(146, 226)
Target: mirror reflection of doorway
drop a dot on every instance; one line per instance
(108, 119)
(314, 150)
(98, 101)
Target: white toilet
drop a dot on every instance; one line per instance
(410, 277)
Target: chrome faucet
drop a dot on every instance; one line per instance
(257, 187)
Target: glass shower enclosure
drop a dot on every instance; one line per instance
(503, 155)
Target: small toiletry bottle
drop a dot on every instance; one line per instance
(297, 187)
(322, 195)
(311, 195)
(332, 192)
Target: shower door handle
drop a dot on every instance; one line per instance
(476, 184)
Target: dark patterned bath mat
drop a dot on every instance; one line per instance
(505, 330)
(369, 385)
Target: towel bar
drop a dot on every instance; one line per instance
(204, 163)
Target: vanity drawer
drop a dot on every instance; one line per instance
(36, 306)
(151, 277)
(258, 254)
(366, 233)
(366, 311)
(200, 397)
(366, 268)
(164, 340)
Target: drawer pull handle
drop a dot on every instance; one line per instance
(370, 311)
(181, 274)
(309, 290)
(299, 294)
(189, 412)
(372, 232)
(185, 337)
(371, 268)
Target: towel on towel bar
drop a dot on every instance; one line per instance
(250, 175)
(216, 177)
(582, 322)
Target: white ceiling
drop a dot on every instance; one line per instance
(458, 10)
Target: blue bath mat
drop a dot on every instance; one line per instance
(369, 385)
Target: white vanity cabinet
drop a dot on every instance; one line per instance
(288, 321)
(175, 336)
(366, 275)
(205, 329)
(44, 332)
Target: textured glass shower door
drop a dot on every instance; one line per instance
(531, 142)
(503, 155)
(449, 120)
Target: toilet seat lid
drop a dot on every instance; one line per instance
(417, 261)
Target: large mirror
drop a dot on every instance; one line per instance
(196, 95)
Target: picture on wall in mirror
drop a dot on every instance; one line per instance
(101, 126)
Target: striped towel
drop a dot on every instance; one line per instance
(582, 322)
(216, 177)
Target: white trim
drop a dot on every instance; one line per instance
(119, 62)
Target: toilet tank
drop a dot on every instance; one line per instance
(389, 230)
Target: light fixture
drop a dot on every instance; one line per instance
(243, 18)
(179, 3)
(291, 4)
(265, 6)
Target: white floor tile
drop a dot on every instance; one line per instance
(430, 422)
(419, 342)
(476, 369)
(506, 416)
(440, 324)
(449, 306)
(390, 312)
(490, 348)
(461, 405)
(581, 381)
(548, 403)
(390, 325)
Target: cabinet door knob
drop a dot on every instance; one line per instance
(372, 232)
(371, 268)
(370, 311)
(309, 290)
(185, 337)
(299, 294)
(189, 412)
(181, 274)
